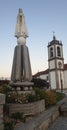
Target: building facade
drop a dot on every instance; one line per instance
(57, 71)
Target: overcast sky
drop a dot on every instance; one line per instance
(42, 18)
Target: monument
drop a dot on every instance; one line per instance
(21, 69)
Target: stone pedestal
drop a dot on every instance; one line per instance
(2, 101)
(25, 85)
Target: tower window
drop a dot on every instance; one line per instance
(51, 52)
(58, 51)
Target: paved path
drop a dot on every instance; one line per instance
(59, 124)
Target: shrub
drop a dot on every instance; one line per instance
(5, 89)
(59, 96)
(22, 98)
(11, 97)
(18, 116)
(50, 98)
(32, 98)
(1, 89)
(8, 126)
(39, 92)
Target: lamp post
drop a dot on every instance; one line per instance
(61, 84)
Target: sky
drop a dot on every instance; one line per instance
(43, 17)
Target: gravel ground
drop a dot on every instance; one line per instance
(59, 124)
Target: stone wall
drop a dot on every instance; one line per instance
(43, 120)
(29, 109)
(2, 101)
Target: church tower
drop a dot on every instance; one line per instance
(56, 64)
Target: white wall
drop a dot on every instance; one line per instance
(52, 64)
(65, 78)
(53, 80)
(44, 77)
(60, 76)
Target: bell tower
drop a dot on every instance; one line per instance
(56, 64)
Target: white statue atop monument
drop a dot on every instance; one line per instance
(21, 30)
(21, 69)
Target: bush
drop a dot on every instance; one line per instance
(18, 116)
(59, 96)
(5, 89)
(39, 92)
(50, 98)
(8, 126)
(32, 98)
(11, 97)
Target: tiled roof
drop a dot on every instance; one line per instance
(41, 73)
(65, 66)
(46, 71)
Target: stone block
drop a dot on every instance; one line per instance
(63, 109)
(1, 127)
(1, 116)
(54, 116)
(45, 124)
(2, 98)
(1, 109)
(1, 121)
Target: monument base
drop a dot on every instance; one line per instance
(22, 86)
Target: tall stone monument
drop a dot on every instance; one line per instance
(21, 70)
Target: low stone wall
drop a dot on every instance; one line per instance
(29, 109)
(43, 120)
(2, 101)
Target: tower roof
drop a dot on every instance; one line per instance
(54, 41)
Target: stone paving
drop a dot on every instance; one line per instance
(59, 124)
